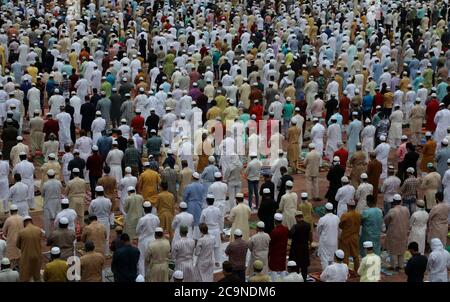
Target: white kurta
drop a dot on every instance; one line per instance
(418, 223)
(183, 218)
(114, 160)
(333, 138)
(127, 181)
(343, 196)
(382, 154)
(219, 189)
(4, 183)
(145, 230)
(442, 121)
(64, 119)
(317, 133)
(17, 195)
(368, 138)
(98, 125)
(26, 171)
(327, 228)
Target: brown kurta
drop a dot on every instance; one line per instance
(91, 267)
(397, 225)
(29, 242)
(165, 206)
(428, 153)
(374, 169)
(76, 193)
(13, 225)
(96, 233)
(64, 239)
(350, 224)
(293, 147)
(438, 222)
(184, 178)
(109, 184)
(359, 166)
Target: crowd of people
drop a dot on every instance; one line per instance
(136, 134)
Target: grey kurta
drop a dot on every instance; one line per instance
(258, 245)
(51, 193)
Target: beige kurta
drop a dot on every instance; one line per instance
(397, 225)
(52, 164)
(13, 225)
(15, 151)
(258, 245)
(417, 116)
(438, 222)
(96, 233)
(36, 134)
(184, 178)
(430, 185)
(133, 208)
(239, 216)
(157, 261)
(293, 146)
(29, 242)
(359, 166)
(76, 193)
(288, 207)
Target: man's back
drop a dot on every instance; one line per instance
(415, 268)
(124, 264)
(8, 275)
(91, 267)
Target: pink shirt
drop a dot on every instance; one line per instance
(401, 152)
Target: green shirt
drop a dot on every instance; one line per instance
(288, 111)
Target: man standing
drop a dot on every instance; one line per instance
(278, 248)
(11, 229)
(397, 225)
(382, 154)
(438, 219)
(253, 174)
(344, 195)
(125, 261)
(148, 183)
(96, 233)
(374, 170)
(336, 272)
(109, 184)
(145, 230)
(212, 217)
(364, 189)
(327, 229)
(258, 245)
(36, 133)
(94, 165)
(350, 224)
(312, 166)
(26, 171)
(76, 193)
(157, 258)
(237, 252)
(370, 268)
(334, 177)
(63, 238)
(438, 262)
(133, 209)
(182, 218)
(288, 205)
(417, 264)
(239, 216)
(204, 250)
(418, 223)
(408, 190)
(358, 164)
(101, 208)
(293, 135)
(56, 269)
(301, 236)
(183, 254)
(51, 193)
(193, 196)
(92, 264)
(29, 243)
(389, 188)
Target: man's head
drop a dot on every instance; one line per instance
(147, 207)
(89, 246)
(55, 252)
(413, 247)
(239, 197)
(292, 267)
(339, 256)
(5, 263)
(227, 267)
(125, 238)
(368, 245)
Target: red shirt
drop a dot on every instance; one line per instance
(51, 126)
(138, 123)
(432, 109)
(343, 156)
(278, 248)
(94, 164)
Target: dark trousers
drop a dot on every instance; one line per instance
(253, 189)
(304, 272)
(240, 274)
(93, 183)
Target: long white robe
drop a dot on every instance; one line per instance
(333, 138)
(76, 103)
(368, 138)
(114, 161)
(4, 183)
(145, 230)
(219, 189)
(317, 133)
(343, 196)
(167, 121)
(34, 99)
(18, 195)
(98, 125)
(442, 121)
(382, 154)
(213, 218)
(418, 223)
(127, 181)
(183, 218)
(204, 250)
(395, 130)
(446, 185)
(64, 119)
(26, 171)
(327, 228)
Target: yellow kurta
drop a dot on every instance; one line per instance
(133, 208)
(148, 185)
(165, 206)
(157, 261)
(29, 242)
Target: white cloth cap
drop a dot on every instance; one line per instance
(311, 146)
(411, 169)
(336, 159)
(211, 159)
(99, 189)
(260, 224)
(217, 174)
(428, 133)
(51, 155)
(51, 172)
(304, 195)
(266, 191)
(183, 205)
(64, 201)
(289, 183)
(5, 261)
(364, 176)
(178, 275)
(344, 179)
(397, 197)
(444, 141)
(95, 148)
(147, 204)
(340, 254)
(64, 220)
(291, 263)
(55, 250)
(278, 216)
(237, 232)
(159, 230)
(76, 170)
(382, 138)
(13, 207)
(130, 188)
(239, 195)
(404, 137)
(329, 206)
(140, 278)
(128, 170)
(367, 244)
(210, 196)
(196, 175)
